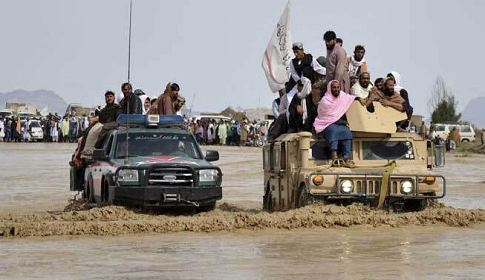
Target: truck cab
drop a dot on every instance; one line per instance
(394, 168)
(152, 162)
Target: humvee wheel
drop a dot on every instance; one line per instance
(415, 205)
(268, 200)
(302, 199)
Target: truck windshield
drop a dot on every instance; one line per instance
(387, 150)
(158, 144)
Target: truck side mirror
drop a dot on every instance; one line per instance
(100, 155)
(212, 155)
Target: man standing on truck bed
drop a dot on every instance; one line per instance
(130, 104)
(166, 101)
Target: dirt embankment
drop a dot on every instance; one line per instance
(474, 147)
(115, 220)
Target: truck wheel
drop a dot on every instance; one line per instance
(88, 190)
(268, 200)
(208, 207)
(302, 197)
(105, 192)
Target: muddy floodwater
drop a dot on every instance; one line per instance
(237, 240)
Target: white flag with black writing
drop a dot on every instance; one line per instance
(278, 54)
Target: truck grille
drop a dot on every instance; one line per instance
(170, 176)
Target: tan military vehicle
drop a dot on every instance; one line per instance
(392, 169)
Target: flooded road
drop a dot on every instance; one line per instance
(236, 241)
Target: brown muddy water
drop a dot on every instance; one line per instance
(236, 241)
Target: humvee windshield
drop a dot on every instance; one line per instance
(376, 150)
(158, 144)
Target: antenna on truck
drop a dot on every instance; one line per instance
(127, 144)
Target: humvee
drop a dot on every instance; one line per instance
(392, 169)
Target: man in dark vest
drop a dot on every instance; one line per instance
(303, 68)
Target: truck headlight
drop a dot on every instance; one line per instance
(406, 187)
(128, 175)
(208, 175)
(346, 186)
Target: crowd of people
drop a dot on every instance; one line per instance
(229, 132)
(70, 127)
(54, 128)
(321, 90)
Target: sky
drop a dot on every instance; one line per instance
(213, 49)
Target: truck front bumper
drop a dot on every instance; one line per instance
(156, 196)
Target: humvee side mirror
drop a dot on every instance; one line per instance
(212, 155)
(100, 154)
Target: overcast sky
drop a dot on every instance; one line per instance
(214, 48)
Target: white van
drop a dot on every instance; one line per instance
(467, 134)
(217, 118)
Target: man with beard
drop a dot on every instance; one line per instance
(303, 68)
(362, 89)
(332, 122)
(357, 64)
(390, 98)
(165, 104)
(130, 104)
(277, 102)
(337, 68)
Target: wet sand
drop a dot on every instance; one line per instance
(236, 241)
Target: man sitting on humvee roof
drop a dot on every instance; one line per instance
(390, 98)
(331, 120)
(362, 88)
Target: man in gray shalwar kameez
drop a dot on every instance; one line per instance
(337, 68)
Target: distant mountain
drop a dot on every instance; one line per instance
(39, 99)
(474, 112)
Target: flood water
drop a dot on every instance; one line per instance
(34, 178)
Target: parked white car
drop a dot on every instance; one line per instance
(467, 133)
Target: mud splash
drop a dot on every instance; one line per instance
(115, 220)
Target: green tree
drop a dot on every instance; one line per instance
(442, 103)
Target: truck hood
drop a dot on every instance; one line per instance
(147, 161)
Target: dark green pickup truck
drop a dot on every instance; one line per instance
(164, 167)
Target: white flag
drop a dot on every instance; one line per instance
(44, 112)
(278, 54)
